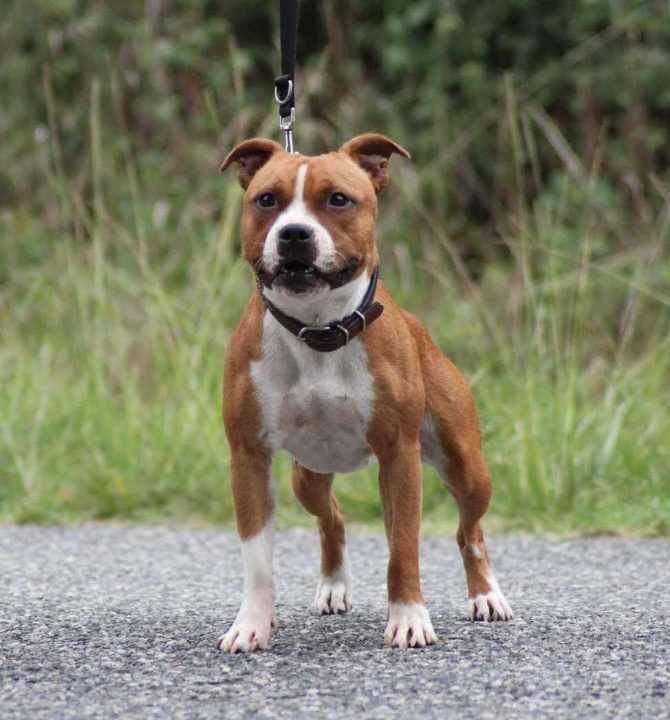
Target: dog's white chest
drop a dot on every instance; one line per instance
(317, 406)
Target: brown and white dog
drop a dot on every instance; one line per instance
(308, 231)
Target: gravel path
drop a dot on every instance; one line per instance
(110, 621)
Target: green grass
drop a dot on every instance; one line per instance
(114, 329)
(119, 291)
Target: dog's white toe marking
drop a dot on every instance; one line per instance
(409, 625)
(333, 593)
(490, 606)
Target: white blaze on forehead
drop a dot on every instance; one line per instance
(299, 191)
(298, 213)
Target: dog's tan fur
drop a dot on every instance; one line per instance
(413, 380)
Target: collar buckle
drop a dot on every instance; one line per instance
(315, 328)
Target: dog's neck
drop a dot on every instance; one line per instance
(324, 306)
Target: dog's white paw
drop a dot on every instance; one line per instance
(409, 625)
(253, 624)
(333, 593)
(490, 606)
(245, 637)
(333, 596)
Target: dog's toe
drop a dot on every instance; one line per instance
(408, 626)
(489, 607)
(245, 637)
(333, 597)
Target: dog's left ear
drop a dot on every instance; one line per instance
(250, 156)
(372, 153)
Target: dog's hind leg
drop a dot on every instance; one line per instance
(333, 593)
(451, 442)
(468, 479)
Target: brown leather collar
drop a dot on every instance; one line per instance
(327, 338)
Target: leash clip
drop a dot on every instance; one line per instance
(285, 83)
(286, 125)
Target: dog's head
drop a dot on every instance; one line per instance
(308, 223)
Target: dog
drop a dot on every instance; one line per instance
(326, 366)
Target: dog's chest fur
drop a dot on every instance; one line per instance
(317, 406)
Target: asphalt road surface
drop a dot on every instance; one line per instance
(120, 622)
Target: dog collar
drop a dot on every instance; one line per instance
(335, 335)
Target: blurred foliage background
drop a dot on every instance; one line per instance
(530, 233)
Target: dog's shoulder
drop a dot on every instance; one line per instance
(244, 347)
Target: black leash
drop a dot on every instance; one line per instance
(285, 83)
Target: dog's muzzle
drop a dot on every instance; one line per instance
(297, 270)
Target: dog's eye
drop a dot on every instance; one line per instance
(267, 200)
(339, 200)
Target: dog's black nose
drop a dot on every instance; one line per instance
(296, 243)
(296, 232)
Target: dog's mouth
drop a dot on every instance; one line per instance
(298, 277)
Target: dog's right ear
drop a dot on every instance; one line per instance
(250, 156)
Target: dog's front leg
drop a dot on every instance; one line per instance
(254, 510)
(400, 485)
